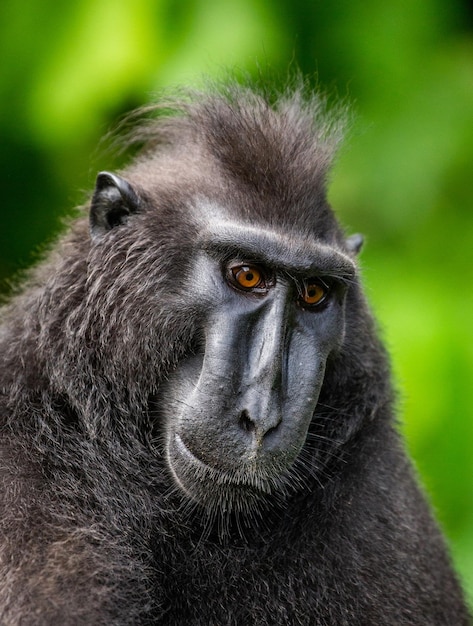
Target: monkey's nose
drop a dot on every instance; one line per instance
(259, 428)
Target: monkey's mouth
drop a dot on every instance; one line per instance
(229, 489)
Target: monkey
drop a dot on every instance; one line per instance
(198, 424)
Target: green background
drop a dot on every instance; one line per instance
(69, 70)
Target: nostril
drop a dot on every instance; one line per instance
(246, 423)
(271, 430)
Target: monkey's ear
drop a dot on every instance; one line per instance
(354, 243)
(114, 200)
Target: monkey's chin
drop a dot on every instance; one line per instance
(243, 489)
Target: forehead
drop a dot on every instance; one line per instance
(222, 236)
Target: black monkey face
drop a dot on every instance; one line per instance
(238, 411)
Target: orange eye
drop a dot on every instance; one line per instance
(247, 276)
(313, 293)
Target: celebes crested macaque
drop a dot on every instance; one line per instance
(196, 411)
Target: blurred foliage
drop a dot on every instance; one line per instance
(68, 71)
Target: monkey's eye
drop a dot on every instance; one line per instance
(313, 293)
(247, 277)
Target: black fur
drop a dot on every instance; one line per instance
(94, 530)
